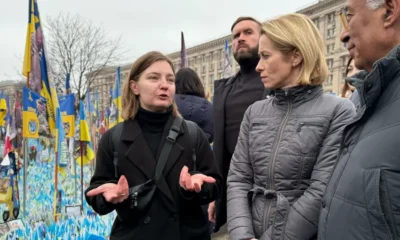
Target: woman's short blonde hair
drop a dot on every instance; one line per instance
(130, 101)
(293, 32)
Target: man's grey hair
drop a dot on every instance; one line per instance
(375, 4)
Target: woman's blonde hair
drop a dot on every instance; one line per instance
(130, 101)
(296, 32)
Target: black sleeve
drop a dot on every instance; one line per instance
(104, 173)
(207, 165)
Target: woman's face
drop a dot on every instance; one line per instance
(276, 69)
(352, 70)
(156, 87)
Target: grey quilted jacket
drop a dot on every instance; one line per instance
(286, 152)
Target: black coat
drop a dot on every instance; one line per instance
(173, 213)
(362, 199)
(221, 90)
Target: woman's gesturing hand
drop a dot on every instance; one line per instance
(113, 193)
(193, 182)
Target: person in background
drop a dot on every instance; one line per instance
(288, 144)
(232, 96)
(192, 102)
(362, 199)
(347, 89)
(130, 159)
(349, 86)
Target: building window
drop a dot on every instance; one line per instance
(316, 22)
(211, 77)
(203, 79)
(330, 48)
(211, 66)
(329, 80)
(211, 56)
(329, 62)
(331, 17)
(331, 33)
(195, 60)
(204, 69)
(195, 69)
(204, 58)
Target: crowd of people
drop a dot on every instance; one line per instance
(288, 161)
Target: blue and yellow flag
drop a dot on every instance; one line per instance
(61, 145)
(34, 114)
(67, 110)
(3, 109)
(88, 152)
(35, 65)
(116, 104)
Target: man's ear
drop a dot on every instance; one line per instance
(392, 12)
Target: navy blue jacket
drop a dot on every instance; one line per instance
(198, 110)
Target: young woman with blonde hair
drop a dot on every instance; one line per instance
(288, 144)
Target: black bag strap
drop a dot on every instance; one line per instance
(171, 138)
(116, 137)
(192, 128)
(166, 150)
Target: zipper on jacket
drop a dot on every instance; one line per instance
(271, 169)
(302, 124)
(135, 202)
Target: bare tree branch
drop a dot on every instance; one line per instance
(77, 46)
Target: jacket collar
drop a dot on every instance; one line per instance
(297, 95)
(376, 81)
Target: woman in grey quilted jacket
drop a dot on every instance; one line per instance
(288, 144)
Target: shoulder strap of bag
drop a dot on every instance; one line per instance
(166, 150)
(192, 128)
(116, 137)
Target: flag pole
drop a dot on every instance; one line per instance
(81, 175)
(25, 146)
(56, 185)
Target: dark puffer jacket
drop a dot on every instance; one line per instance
(198, 110)
(286, 151)
(362, 199)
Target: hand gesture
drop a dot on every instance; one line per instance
(193, 182)
(113, 193)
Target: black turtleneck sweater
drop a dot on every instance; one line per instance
(247, 89)
(152, 126)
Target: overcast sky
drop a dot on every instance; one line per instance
(144, 24)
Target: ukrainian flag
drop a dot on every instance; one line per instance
(88, 153)
(3, 109)
(35, 65)
(115, 116)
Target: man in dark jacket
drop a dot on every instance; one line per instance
(362, 198)
(232, 96)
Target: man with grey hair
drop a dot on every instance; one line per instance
(362, 199)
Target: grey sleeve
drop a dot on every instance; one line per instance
(240, 182)
(303, 215)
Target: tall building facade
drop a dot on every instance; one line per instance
(207, 59)
(12, 89)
